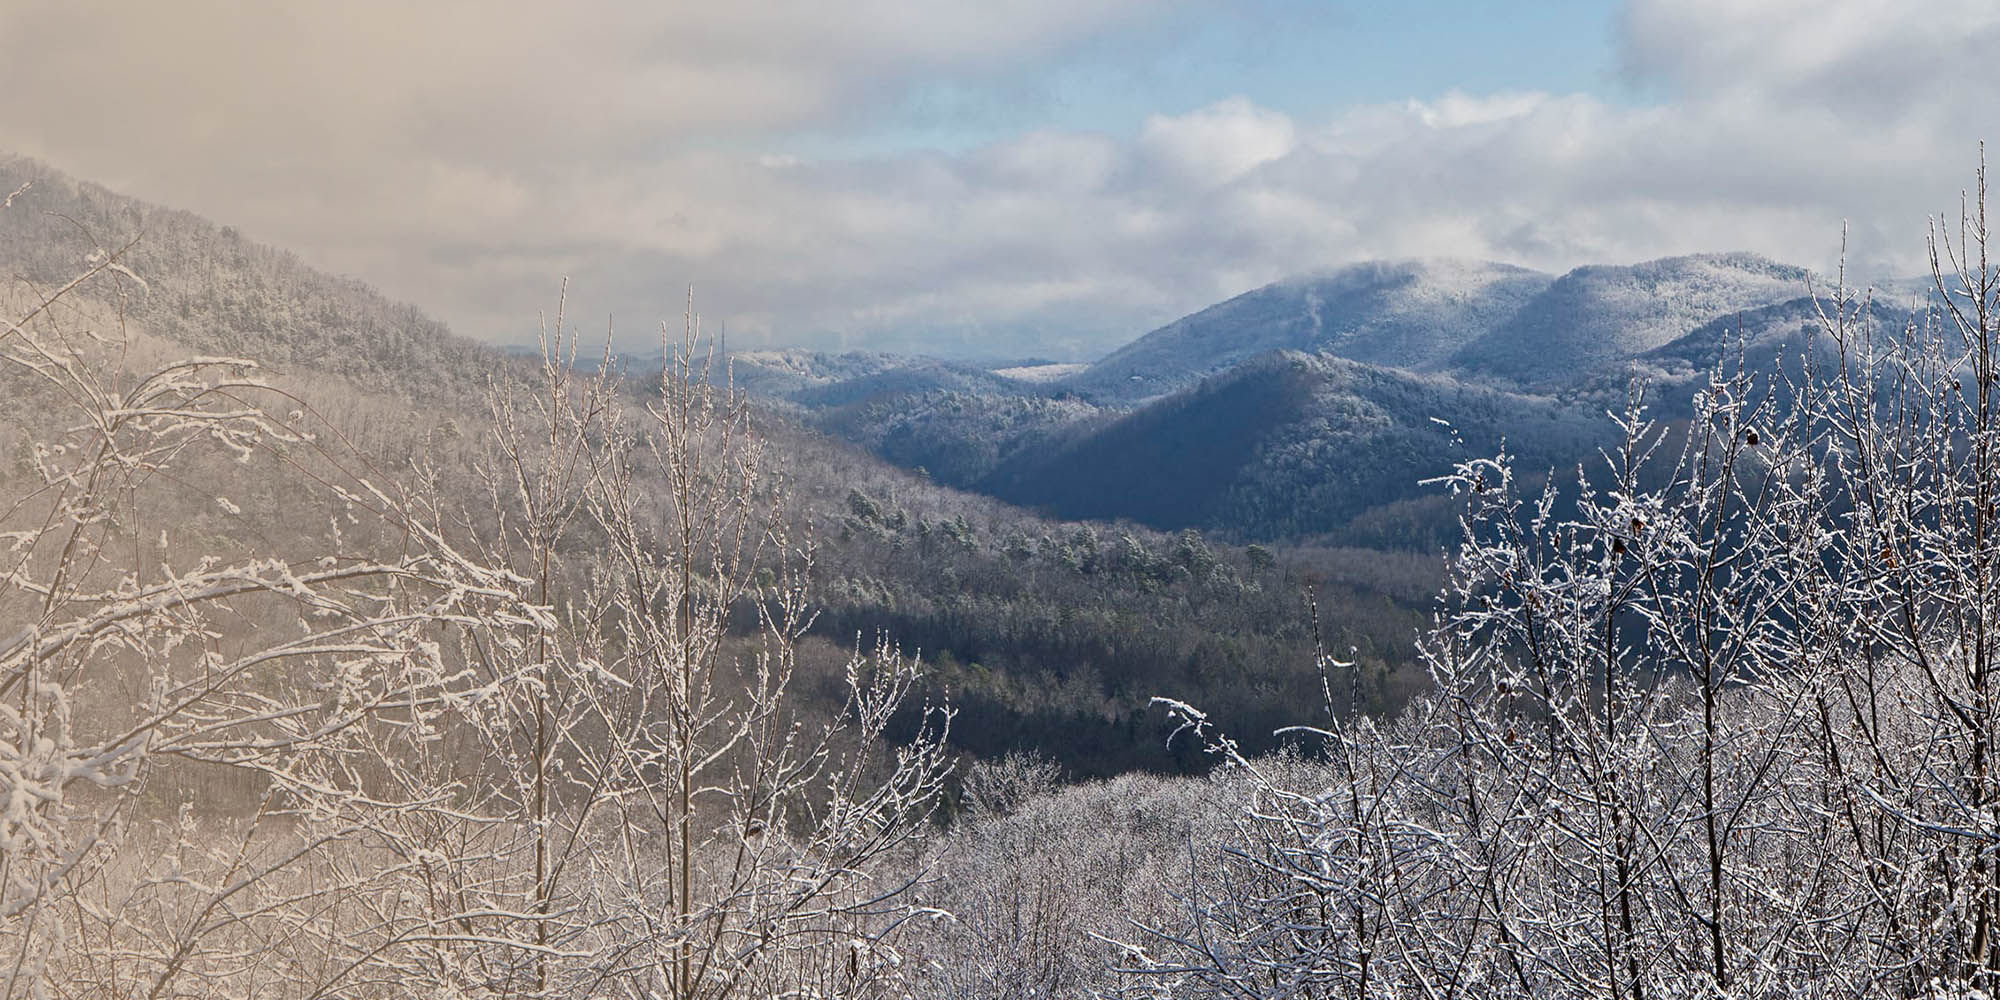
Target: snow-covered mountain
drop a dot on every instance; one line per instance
(1404, 314)
(1598, 316)
(1303, 405)
(1291, 444)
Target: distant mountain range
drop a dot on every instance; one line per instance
(1413, 315)
(1040, 634)
(1309, 408)
(1305, 415)
(1314, 406)
(1477, 320)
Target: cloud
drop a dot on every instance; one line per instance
(1217, 144)
(450, 149)
(1010, 242)
(465, 156)
(1879, 60)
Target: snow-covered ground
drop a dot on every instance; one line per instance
(1039, 373)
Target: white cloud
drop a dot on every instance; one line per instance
(1216, 144)
(467, 156)
(464, 154)
(1879, 60)
(1457, 109)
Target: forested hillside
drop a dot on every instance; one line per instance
(1412, 314)
(1055, 635)
(1050, 634)
(210, 288)
(545, 678)
(1291, 446)
(1315, 408)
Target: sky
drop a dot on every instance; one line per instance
(1037, 178)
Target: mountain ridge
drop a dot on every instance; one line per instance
(1495, 350)
(1392, 313)
(206, 286)
(1600, 315)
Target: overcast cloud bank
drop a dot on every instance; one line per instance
(467, 156)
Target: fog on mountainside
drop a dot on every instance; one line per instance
(208, 288)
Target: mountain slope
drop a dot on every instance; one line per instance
(956, 422)
(207, 287)
(1410, 314)
(1041, 634)
(1289, 444)
(1598, 316)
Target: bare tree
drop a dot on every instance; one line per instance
(692, 829)
(1723, 725)
(277, 721)
(161, 650)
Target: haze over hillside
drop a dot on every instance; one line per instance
(1306, 414)
(1310, 410)
(204, 285)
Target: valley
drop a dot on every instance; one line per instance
(1264, 573)
(1047, 500)
(1062, 543)
(1313, 410)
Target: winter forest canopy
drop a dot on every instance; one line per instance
(325, 678)
(1253, 499)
